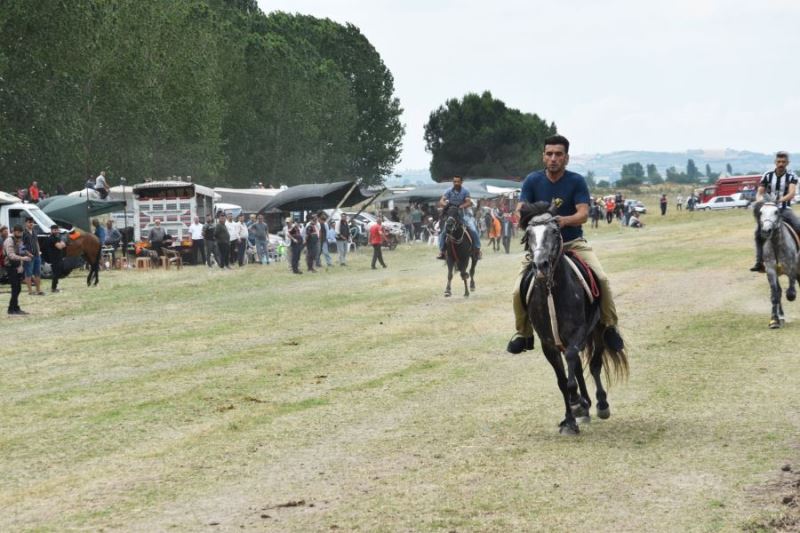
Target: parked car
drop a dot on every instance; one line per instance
(637, 205)
(723, 202)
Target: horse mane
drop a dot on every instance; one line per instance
(528, 211)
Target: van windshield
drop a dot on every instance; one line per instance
(40, 219)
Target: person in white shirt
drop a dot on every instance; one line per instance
(243, 234)
(233, 234)
(679, 202)
(101, 185)
(198, 245)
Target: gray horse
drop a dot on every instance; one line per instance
(566, 319)
(780, 256)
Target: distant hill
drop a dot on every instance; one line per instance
(609, 165)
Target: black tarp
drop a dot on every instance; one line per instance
(76, 211)
(432, 193)
(316, 196)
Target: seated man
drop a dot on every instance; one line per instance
(634, 221)
(570, 193)
(459, 196)
(782, 185)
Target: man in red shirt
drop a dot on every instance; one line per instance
(33, 193)
(376, 240)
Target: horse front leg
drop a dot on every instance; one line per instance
(576, 402)
(473, 260)
(596, 368)
(568, 426)
(791, 292)
(447, 291)
(462, 267)
(775, 297)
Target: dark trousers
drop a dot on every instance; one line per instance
(210, 248)
(224, 255)
(241, 249)
(198, 251)
(311, 253)
(663, 209)
(57, 273)
(232, 251)
(377, 255)
(297, 249)
(507, 244)
(15, 279)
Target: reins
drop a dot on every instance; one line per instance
(551, 306)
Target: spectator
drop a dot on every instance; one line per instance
(54, 253)
(233, 238)
(101, 185)
(3, 237)
(157, 236)
(507, 231)
(609, 210)
(223, 241)
(198, 246)
(408, 224)
(416, 221)
(634, 221)
(663, 204)
(260, 234)
(296, 240)
(60, 190)
(312, 242)
(594, 214)
(327, 235)
(34, 193)
(209, 244)
(113, 239)
(376, 236)
(679, 202)
(626, 213)
(14, 258)
(250, 237)
(342, 239)
(242, 240)
(33, 268)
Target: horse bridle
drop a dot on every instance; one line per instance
(775, 225)
(541, 220)
(450, 232)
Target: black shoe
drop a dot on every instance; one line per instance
(519, 344)
(440, 256)
(612, 339)
(758, 267)
(17, 312)
(55, 290)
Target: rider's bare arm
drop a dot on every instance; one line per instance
(467, 203)
(760, 193)
(790, 193)
(580, 217)
(442, 201)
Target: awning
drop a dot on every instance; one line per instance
(432, 193)
(74, 211)
(250, 200)
(316, 196)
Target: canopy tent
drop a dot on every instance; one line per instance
(316, 197)
(250, 200)
(432, 193)
(74, 211)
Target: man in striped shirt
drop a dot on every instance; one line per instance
(781, 184)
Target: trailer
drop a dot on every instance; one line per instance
(730, 185)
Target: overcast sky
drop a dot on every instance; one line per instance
(612, 74)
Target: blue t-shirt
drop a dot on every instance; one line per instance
(456, 197)
(567, 192)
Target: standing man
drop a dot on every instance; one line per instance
(327, 235)
(679, 202)
(242, 239)
(34, 193)
(342, 239)
(663, 203)
(198, 246)
(296, 245)
(260, 233)
(209, 243)
(416, 221)
(157, 236)
(101, 185)
(782, 184)
(33, 268)
(312, 243)
(113, 239)
(376, 237)
(459, 195)
(570, 193)
(223, 241)
(14, 258)
(54, 251)
(233, 237)
(507, 231)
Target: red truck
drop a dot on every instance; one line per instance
(731, 185)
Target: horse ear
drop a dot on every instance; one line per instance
(553, 209)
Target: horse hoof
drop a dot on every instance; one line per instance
(774, 324)
(472, 286)
(578, 410)
(447, 295)
(791, 296)
(604, 414)
(568, 428)
(466, 294)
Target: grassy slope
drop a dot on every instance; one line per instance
(184, 399)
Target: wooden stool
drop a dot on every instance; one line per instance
(178, 260)
(143, 263)
(164, 262)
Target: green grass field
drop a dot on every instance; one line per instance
(360, 400)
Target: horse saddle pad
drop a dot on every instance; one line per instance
(585, 275)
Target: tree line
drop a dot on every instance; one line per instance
(213, 89)
(633, 174)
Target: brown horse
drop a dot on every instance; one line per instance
(81, 243)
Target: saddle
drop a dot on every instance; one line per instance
(583, 272)
(793, 233)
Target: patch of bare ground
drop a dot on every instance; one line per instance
(779, 499)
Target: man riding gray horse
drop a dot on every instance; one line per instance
(459, 196)
(781, 184)
(570, 194)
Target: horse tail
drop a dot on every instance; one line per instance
(615, 363)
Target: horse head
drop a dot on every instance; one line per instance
(542, 237)
(768, 216)
(452, 218)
